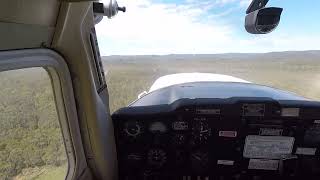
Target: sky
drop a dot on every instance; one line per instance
(160, 27)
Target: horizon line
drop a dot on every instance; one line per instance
(211, 53)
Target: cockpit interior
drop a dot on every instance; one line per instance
(194, 127)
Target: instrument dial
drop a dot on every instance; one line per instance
(201, 132)
(132, 129)
(157, 157)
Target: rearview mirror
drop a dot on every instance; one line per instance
(263, 21)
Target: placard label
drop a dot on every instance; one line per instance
(263, 164)
(306, 151)
(267, 147)
(208, 111)
(270, 132)
(231, 134)
(225, 162)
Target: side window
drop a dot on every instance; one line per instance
(31, 142)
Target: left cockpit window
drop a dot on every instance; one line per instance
(31, 142)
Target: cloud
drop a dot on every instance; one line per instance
(158, 28)
(191, 27)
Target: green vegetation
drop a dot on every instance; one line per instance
(43, 173)
(30, 136)
(31, 146)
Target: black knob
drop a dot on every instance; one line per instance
(123, 9)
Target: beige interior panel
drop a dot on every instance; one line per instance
(27, 23)
(37, 12)
(21, 36)
(72, 39)
(65, 27)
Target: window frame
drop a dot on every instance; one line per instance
(62, 87)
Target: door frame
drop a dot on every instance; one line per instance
(61, 82)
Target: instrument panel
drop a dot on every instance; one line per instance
(219, 139)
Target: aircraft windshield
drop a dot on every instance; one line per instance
(155, 38)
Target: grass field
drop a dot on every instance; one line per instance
(43, 173)
(130, 75)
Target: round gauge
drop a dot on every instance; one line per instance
(157, 157)
(158, 127)
(132, 129)
(179, 139)
(199, 161)
(201, 132)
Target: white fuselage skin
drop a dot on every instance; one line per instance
(180, 78)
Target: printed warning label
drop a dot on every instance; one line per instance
(306, 151)
(231, 134)
(267, 147)
(263, 164)
(270, 132)
(225, 162)
(208, 111)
